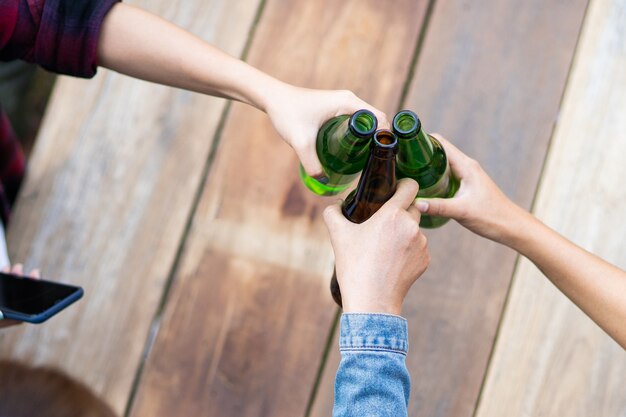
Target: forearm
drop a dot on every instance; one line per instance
(142, 45)
(372, 378)
(596, 286)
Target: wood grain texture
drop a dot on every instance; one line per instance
(551, 359)
(115, 171)
(490, 77)
(250, 311)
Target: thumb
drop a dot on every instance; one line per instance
(309, 160)
(353, 103)
(442, 207)
(333, 217)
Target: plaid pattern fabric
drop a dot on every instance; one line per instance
(12, 166)
(61, 36)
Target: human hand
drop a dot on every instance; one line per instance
(479, 204)
(298, 113)
(17, 269)
(377, 261)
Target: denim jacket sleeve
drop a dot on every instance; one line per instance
(372, 379)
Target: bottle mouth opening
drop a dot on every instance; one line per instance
(363, 123)
(385, 139)
(406, 122)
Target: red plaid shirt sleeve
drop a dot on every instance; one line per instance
(11, 166)
(61, 36)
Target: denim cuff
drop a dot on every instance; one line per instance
(381, 332)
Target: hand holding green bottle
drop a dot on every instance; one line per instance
(298, 113)
(479, 205)
(342, 148)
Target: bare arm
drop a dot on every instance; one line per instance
(594, 285)
(142, 45)
(597, 287)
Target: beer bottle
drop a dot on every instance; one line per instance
(376, 186)
(422, 158)
(342, 148)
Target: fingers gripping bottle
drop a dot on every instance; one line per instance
(422, 158)
(376, 186)
(342, 148)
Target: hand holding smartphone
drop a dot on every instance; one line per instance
(34, 300)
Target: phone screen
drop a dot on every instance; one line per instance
(31, 296)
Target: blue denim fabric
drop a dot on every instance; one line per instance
(372, 379)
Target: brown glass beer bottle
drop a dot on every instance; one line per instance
(376, 186)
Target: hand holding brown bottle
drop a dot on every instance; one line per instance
(378, 261)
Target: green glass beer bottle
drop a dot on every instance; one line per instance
(422, 158)
(376, 186)
(342, 148)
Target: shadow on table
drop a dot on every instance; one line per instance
(27, 391)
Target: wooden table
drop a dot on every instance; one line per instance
(206, 262)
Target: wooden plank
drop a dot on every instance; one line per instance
(249, 315)
(550, 359)
(490, 77)
(112, 181)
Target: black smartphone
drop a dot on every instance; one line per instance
(34, 300)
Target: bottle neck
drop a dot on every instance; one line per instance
(361, 126)
(351, 139)
(415, 151)
(376, 186)
(352, 145)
